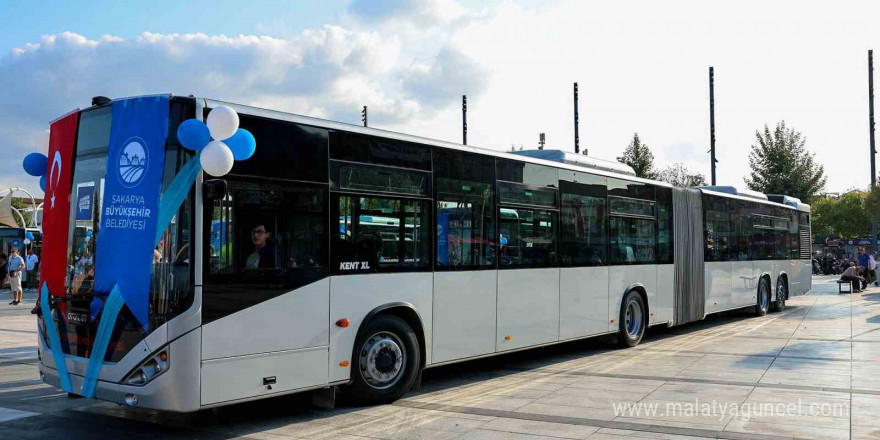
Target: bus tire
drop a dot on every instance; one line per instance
(385, 361)
(763, 302)
(781, 295)
(633, 320)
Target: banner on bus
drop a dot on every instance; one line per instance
(135, 163)
(56, 208)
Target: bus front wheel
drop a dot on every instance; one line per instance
(633, 319)
(385, 361)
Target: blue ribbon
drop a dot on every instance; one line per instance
(54, 340)
(176, 193)
(102, 341)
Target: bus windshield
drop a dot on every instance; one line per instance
(171, 287)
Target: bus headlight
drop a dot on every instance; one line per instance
(149, 370)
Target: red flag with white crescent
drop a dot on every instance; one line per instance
(56, 206)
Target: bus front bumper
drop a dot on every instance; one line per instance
(177, 389)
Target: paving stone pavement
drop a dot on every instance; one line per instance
(811, 371)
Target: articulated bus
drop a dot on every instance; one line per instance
(347, 258)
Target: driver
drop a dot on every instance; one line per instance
(263, 255)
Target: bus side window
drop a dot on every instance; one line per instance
(380, 234)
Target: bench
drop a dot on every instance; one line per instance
(841, 283)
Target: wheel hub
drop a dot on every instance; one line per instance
(633, 319)
(381, 360)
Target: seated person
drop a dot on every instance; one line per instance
(263, 255)
(852, 274)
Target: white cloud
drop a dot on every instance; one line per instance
(328, 72)
(641, 66)
(409, 12)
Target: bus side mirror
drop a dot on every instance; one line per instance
(214, 189)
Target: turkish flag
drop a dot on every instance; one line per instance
(56, 206)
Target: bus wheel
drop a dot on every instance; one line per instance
(385, 362)
(781, 294)
(763, 297)
(632, 320)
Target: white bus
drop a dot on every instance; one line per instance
(347, 258)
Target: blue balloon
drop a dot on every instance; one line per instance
(29, 235)
(193, 134)
(503, 241)
(43, 182)
(88, 233)
(35, 164)
(242, 144)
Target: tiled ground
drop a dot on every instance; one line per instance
(812, 371)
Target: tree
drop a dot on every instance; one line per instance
(841, 217)
(639, 157)
(679, 175)
(872, 203)
(781, 164)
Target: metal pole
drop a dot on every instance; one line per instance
(712, 120)
(364, 115)
(871, 114)
(464, 119)
(577, 141)
(871, 128)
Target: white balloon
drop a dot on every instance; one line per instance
(217, 159)
(26, 241)
(222, 122)
(42, 145)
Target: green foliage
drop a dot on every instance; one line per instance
(25, 209)
(679, 175)
(843, 217)
(781, 164)
(639, 156)
(872, 203)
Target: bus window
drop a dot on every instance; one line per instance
(527, 173)
(632, 222)
(665, 231)
(287, 151)
(465, 196)
(527, 238)
(582, 219)
(633, 240)
(263, 239)
(378, 234)
(353, 147)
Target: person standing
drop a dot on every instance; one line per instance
(864, 260)
(32, 260)
(15, 265)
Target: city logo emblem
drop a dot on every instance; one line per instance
(133, 161)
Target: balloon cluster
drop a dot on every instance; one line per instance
(36, 163)
(220, 141)
(28, 237)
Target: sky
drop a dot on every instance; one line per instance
(642, 67)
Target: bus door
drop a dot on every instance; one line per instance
(266, 287)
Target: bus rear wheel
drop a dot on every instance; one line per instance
(633, 319)
(781, 295)
(385, 361)
(763, 303)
